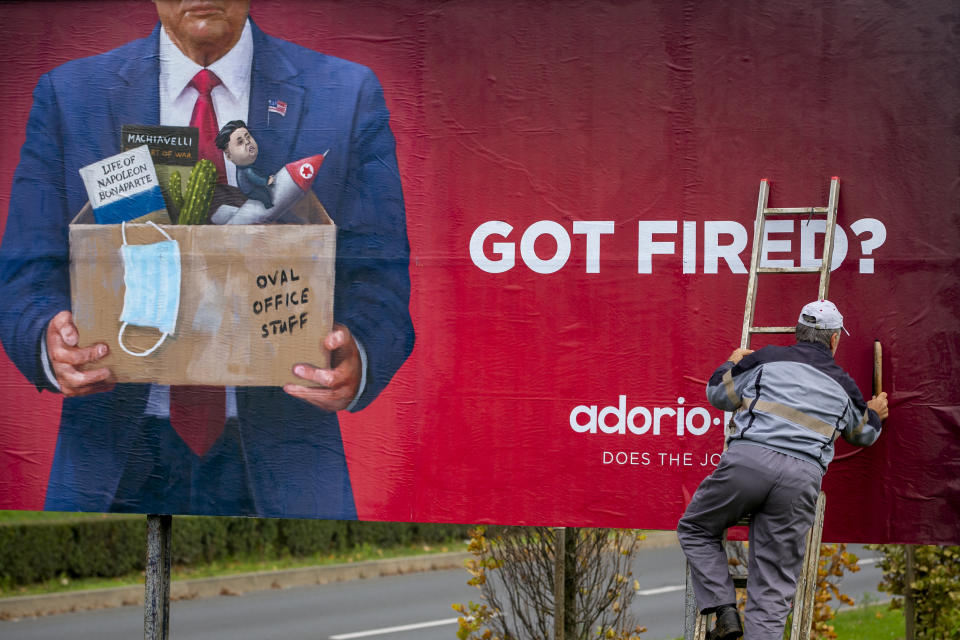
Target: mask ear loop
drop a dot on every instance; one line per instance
(138, 354)
(154, 225)
(123, 230)
(123, 327)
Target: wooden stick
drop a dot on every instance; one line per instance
(877, 368)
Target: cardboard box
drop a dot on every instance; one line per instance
(254, 299)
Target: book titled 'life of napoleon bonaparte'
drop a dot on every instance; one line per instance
(123, 187)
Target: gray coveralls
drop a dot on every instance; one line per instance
(791, 403)
(780, 492)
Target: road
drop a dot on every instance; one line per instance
(408, 607)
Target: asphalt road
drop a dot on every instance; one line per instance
(407, 607)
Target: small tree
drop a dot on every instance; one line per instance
(834, 560)
(514, 569)
(936, 587)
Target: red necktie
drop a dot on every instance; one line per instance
(198, 413)
(204, 118)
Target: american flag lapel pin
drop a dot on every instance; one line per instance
(276, 106)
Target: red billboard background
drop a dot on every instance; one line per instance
(655, 121)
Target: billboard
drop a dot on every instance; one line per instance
(539, 311)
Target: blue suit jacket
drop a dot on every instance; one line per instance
(254, 185)
(295, 454)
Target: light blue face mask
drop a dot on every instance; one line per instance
(151, 275)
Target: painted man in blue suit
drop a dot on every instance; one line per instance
(280, 453)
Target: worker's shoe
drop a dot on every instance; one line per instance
(728, 625)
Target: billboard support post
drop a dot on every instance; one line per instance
(559, 597)
(909, 603)
(156, 601)
(564, 583)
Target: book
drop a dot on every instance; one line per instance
(173, 149)
(123, 187)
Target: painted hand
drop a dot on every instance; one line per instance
(340, 383)
(66, 359)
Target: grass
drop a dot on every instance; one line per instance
(870, 622)
(233, 567)
(37, 516)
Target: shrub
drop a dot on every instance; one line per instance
(115, 545)
(936, 587)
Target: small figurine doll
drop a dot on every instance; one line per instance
(269, 199)
(240, 148)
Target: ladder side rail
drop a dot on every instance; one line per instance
(807, 582)
(694, 624)
(754, 263)
(829, 231)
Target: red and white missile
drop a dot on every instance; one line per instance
(290, 184)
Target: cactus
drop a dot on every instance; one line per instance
(196, 201)
(174, 189)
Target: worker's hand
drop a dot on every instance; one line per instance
(339, 384)
(270, 180)
(880, 405)
(738, 354)
(66, 358)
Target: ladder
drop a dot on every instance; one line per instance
(695, 625)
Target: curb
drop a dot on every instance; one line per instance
(235, 585)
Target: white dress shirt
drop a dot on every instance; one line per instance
(231, 101)
(231, 98)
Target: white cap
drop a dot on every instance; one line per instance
(822, 314)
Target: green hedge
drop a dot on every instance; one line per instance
(32, 552)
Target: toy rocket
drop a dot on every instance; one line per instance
(290, 184)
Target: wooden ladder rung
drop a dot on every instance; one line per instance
(739, 576)
(773, 329)
(795, 211)
(788, 269)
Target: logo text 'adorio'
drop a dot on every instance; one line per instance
(640, 420)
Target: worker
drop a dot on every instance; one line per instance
(790, 405)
